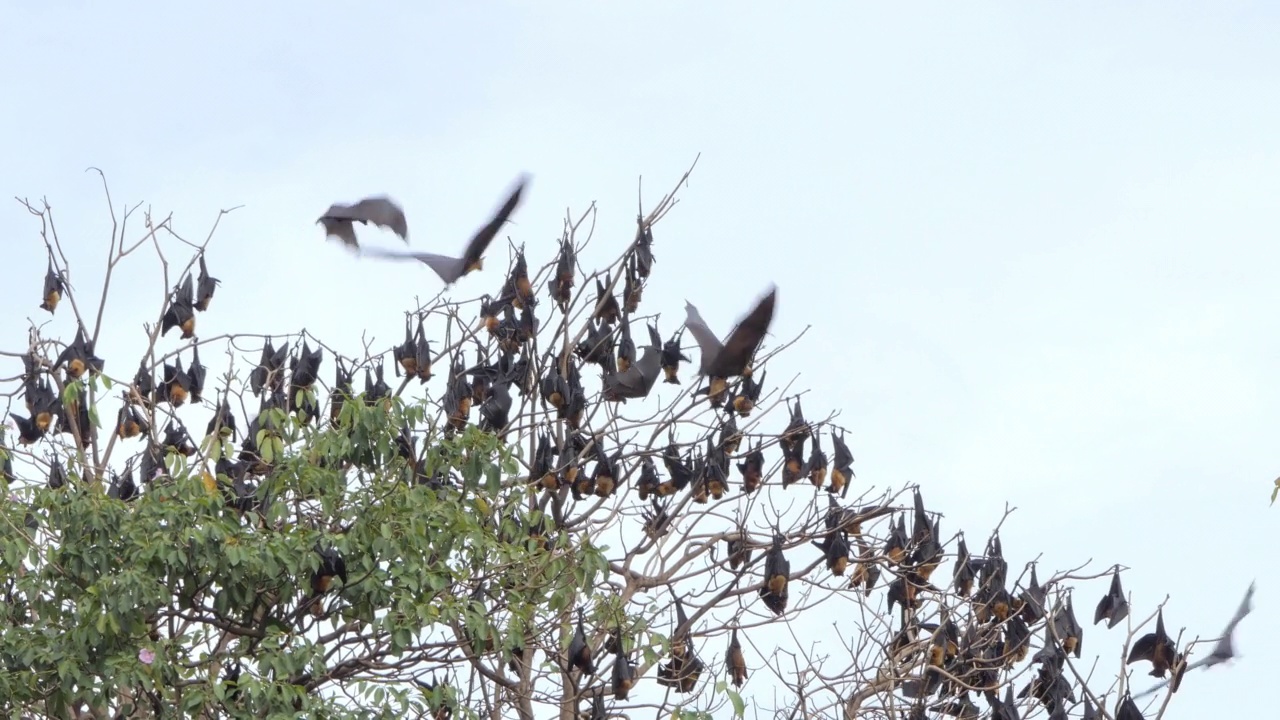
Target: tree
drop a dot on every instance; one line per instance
(503, 537)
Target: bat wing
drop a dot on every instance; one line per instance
(707, 340)
(448, 268)
(383, 212)
(745, 338)
(485, 235)
(1246, 606)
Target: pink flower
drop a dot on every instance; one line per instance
(146, 656)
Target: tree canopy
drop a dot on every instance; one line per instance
(545, 501)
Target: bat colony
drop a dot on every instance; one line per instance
(956, 660)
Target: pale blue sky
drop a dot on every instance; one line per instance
(1037, 242)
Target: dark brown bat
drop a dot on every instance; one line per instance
(732, 358)
(777, 571)
(649, 482)
(181, 312)
(1113, 607)
(331, 565)
(1128, 710)
(671, 359)
(841, 466)
(78, 357)
(54, 287)
(580, 650)
(205, 285)
(752, 469)
(339, 220)
(636, 381)
(451, 269)
(1156, 647)
(735, 662)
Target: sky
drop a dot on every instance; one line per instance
(1034, 243)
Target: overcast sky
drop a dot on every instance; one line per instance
(1036, 244)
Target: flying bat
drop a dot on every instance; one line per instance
(1224, 649)
(450, 269)
(723, 361)
(339, 220)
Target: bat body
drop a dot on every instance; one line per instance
(339, 220)
(449, 268)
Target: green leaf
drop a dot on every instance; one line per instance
(739, 707)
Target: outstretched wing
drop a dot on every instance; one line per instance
(707, 340)
(485, 235)
(383, 212)
(746, 337)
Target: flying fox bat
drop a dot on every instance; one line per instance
(339, 220)
(205, 285)
(777, 570)
(1224, 650)
(636, 381)
(54, 287)
(732, 358)
(736, 662)
(1156, 647)
(450, 269)
(580, 650)
(1113, 607)
(331, 565)
(181, 312)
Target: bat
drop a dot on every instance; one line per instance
(1032, 600)
(339, 220)
(177, 383)
(735, 661)
(1128, 710)
(815, 468)
(519, 287)
(657, 522)
(606, 309)
(632, 288)
(205, 286)
(637, 380)
(561, 286)
(1113, 607)
(451, 269)
(671, 359)
(732, 358)
(649, 482)
(777, 570)
(606, 472)
(841, 465)
(580, 651)
(57, 473)
(624, 673)
(123, 488)
(1067, 630)
(748, 394)
(331, 565)
(130, 422)
(28, 431)
(1156, 647)
(78, 357)
(181, 311)
(627, 347)
(543, 472)
(54, 287)
(643, 253)
(752, 469)
(1224, 650)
